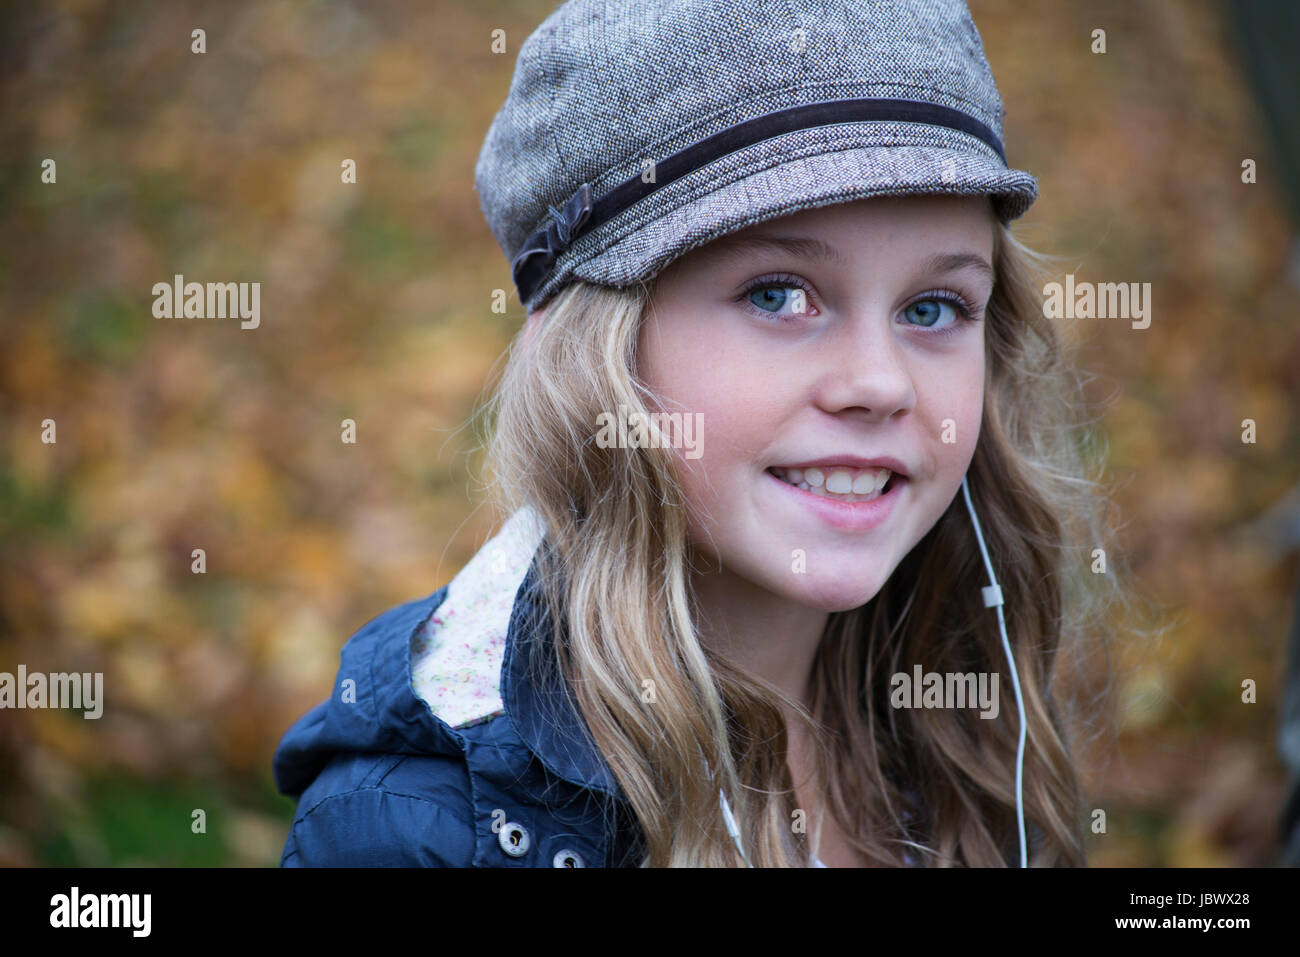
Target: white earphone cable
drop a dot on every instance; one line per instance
(993, 599)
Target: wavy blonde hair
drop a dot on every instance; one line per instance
(617, 584)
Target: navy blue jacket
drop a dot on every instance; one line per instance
(382, 780)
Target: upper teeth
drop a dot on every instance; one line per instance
(840, 481)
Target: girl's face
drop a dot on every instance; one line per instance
(835, 336)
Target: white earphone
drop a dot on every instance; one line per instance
(993, 599)
(992, 594)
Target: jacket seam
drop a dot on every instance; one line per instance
(396, 759)
(473, 800)
(437, 805)
(357, 790)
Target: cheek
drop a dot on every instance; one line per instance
(950, 411)
(730, 444)
(682, 368)
(973, 405)
(965, 399)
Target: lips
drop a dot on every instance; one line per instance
(844, 512)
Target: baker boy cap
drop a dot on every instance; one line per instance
(637, 130)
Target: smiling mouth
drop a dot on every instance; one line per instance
(850, 485)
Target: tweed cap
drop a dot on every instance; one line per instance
(637, 130)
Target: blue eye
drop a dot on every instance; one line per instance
(779, 296)
(929, 311)
(765, 299)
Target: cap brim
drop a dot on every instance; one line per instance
(823, 179)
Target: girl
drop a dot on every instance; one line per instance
(772, 639)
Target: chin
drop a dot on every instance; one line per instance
(837, 595)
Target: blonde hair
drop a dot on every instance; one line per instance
(615, 572)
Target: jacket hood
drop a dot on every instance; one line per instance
(414, 678)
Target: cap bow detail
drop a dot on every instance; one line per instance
(543, 247)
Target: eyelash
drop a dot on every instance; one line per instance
(965, 308)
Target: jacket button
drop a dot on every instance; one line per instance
(514, 839)
(567, 858)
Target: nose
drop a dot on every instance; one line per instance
(866, 367)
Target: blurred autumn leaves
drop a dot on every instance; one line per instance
(182, 434)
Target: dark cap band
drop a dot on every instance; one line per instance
(582, 213)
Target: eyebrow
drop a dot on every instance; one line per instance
(811, 248)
